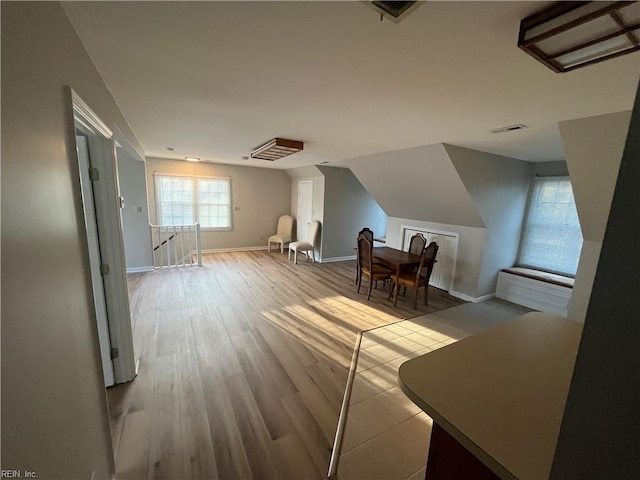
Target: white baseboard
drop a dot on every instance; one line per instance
(338, 259)
(140, 269)
(237, 249)
(469, 298)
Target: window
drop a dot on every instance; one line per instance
(551, 238)
(187, 200)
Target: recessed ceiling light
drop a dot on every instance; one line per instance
(244, 157)
(171, 149)
(192, 159)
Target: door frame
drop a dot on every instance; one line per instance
(109, 236)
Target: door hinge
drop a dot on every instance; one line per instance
(94, 174)
(114, 353)
(104, 269)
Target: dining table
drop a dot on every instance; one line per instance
(395, 259)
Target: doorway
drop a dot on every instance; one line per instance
(102, 204)
(305, 208)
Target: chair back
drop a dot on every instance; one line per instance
(417, 243)
(312, 232)
(366, 231)
(365, 251)
(285, 225)
(427, 261)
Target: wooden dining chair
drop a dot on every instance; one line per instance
(416, 280)
(366, 266)
(367, 232)
(417, 244)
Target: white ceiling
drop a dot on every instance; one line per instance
(215, 79)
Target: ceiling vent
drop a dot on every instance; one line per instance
(394, 11)
(277, 148)
(510, 128)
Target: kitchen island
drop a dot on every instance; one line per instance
(496, 398)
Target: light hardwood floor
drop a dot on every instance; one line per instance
(242, 366)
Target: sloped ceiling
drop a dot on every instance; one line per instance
(418, 183)
(214, 79)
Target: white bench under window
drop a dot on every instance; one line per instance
(541, 291)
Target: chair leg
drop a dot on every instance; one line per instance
(391, 287)
(426, 294)
(295, 257)
(370, 285)
(415, 297)
(281, 248)
(313, 256)
(269, 246)
(359, 282)
(395, 296)
(289, 257)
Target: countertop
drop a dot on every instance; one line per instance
(501, 393)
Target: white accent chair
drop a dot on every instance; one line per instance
(283, 233)
(308, 246)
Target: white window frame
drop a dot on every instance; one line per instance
(196, 195)
(525, 222)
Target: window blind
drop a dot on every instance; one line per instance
(551, 238)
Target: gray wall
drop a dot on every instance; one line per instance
(550, 169)
(600, 430)
(447, 188)
(135, 214)
(260, 195)
(55, 420)
(498, 186)
(348, 208)
(593, 147)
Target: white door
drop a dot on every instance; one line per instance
(94, 259)
(442, 275)
(305, 208)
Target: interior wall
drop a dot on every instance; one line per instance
(258, 195)
(498, 186)
(593, 148)
(599, 435)
(550, 169)
(135, 214)
(348, 208)
(55, 420)
(471, 244)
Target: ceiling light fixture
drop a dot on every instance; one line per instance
(277, 148)
(570, 35)
(192, 159)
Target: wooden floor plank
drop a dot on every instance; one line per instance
(242, 366)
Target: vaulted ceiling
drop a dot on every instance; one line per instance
(215, 79)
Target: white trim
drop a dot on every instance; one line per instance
(88, 115)
(103, 157)
(140, 269)
(189, 175)
(337, 259)
(234, 249)
(469, 298)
